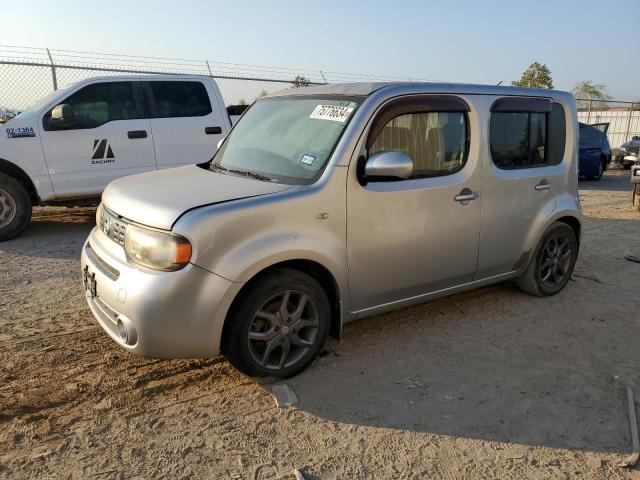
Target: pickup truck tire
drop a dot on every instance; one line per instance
(552, 264)
(278, 325)
(636, 195)
(15, 207)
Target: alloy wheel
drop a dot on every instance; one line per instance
(7, 208)
(283, 330)
(555, 261)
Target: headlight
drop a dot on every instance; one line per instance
(154, 249)
(622, 149)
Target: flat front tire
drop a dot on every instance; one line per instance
(552, 264)
(15, 207)
(278, 325)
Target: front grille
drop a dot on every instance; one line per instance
(113, 226)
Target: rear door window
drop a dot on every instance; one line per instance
(526, 139)
(179, 99)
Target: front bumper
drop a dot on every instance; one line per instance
(172, 314)
(625, 158)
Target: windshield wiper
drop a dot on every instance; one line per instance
(246, 173)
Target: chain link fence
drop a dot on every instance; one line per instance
(27, 74)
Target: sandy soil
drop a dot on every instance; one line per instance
(487, 384)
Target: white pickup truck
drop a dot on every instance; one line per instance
(71, 144)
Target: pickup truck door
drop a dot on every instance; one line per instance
(187, 121)
(103, 135)
(406, 238)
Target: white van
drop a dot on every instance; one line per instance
(72, 143)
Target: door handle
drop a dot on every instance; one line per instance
(466, 196)
(212, 130)
(137, 134)
(543, 185)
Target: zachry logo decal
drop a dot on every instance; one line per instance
(102, 152)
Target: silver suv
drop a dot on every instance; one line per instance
(326, 204)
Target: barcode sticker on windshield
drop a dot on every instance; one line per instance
(331, 112)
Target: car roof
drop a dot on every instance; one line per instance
(367, 88)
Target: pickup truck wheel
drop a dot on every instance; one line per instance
(552, 265)
(278, 326)
(15, 207)
(636, 195)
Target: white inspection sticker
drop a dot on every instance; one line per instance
(331, 112)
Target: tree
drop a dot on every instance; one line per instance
(586, 91)
(536, 76)
(300, 81)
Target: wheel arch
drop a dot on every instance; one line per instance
(316, 271)
(568, 217)
(14, 171)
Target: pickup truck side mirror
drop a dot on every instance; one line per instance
(64, 111)
(389, 164)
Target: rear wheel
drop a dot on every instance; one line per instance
(552, 265)
(15, 207)
(278, 326)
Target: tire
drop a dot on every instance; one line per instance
(636, 195)
(15, 207)
(258, 342)
(542, 264)
(598, 176)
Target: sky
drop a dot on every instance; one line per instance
(455, 40)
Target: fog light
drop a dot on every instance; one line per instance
(126, 331)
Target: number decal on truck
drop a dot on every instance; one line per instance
(331, 112)
(20, 132)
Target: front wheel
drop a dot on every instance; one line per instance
(278, 326)
(552, 265)
(15, 207)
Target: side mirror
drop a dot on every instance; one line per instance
(635, 137)
(64, 111)
(389, 164)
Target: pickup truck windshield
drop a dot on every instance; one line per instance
(285, 140)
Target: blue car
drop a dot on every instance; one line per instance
(595, 151)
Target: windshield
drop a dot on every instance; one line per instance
(285, 140)
(41, 103)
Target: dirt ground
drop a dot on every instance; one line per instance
(487, 384)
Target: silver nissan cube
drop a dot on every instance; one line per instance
(330, 203)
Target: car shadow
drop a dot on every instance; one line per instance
(616, 180)
(495, 364)
(54, 232)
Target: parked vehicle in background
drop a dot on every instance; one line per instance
(72, 143)
(635, 180)
(5, 117)
(392, 180)
(629, 152)
(595, 151)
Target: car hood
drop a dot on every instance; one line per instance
(159, 198)
(631, 144)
